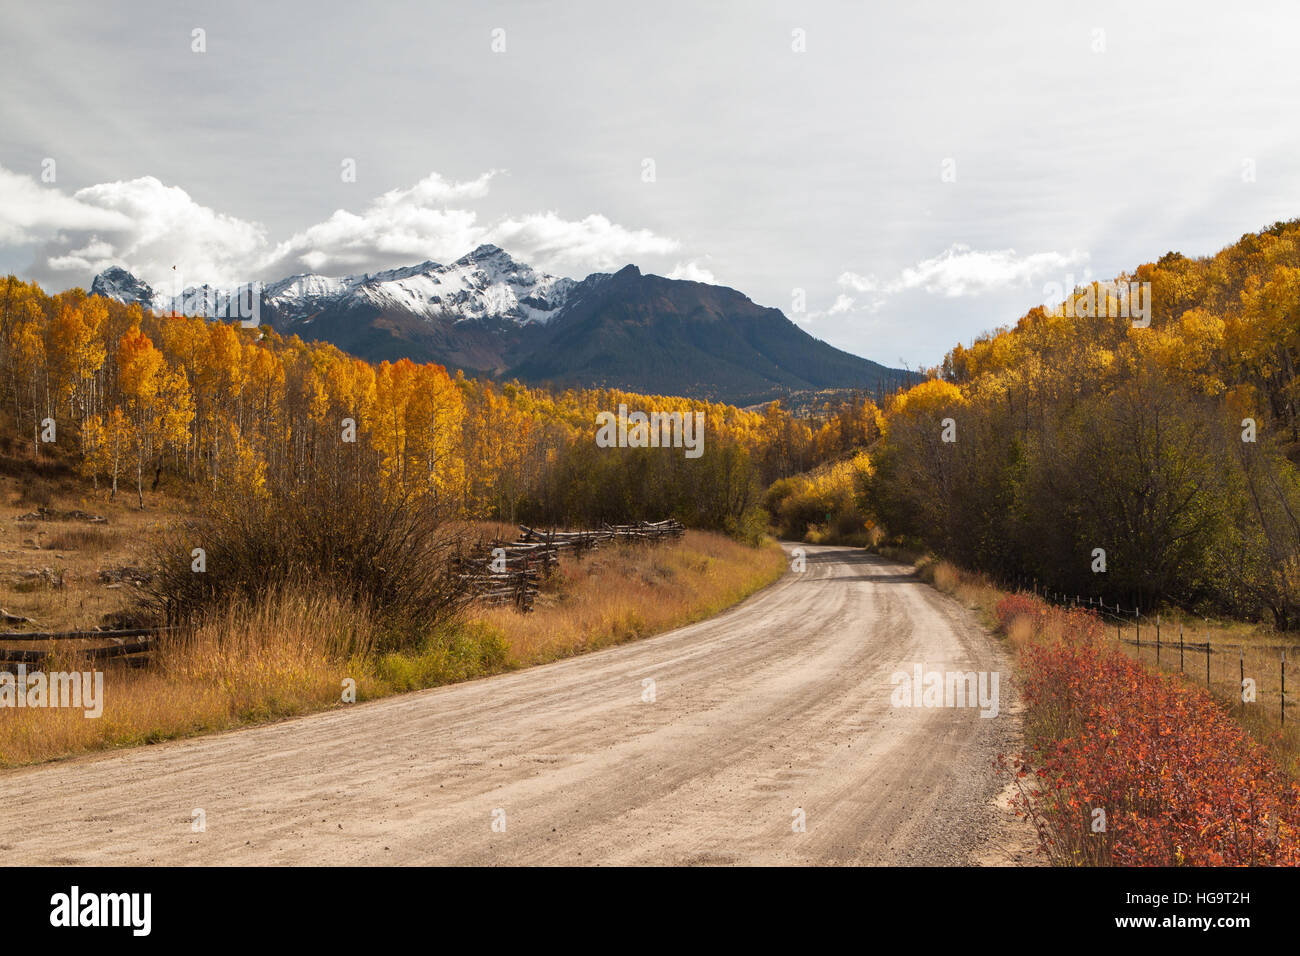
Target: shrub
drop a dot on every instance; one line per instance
(455, 653)
(1179, 781)
(389, 556)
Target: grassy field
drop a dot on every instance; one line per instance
(50, 570)
(293, 653)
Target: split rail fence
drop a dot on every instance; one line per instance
(132, 646)
(511, 573)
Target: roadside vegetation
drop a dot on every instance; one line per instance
(1076, 435)
(269, 640)
(1183, 775)
(1129, 767)
(824, 506)
(1148, 465)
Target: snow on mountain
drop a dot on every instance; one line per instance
(484, 284)
(116, 283)
(487, 283)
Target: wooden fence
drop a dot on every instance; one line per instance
(132, 645)
(511, 573)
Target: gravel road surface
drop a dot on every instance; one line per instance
(774, 711)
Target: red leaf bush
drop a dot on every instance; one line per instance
(1179, 781)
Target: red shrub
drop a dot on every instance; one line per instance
(1180, 782)
(1019, 605)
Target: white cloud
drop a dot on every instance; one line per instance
(692, 271)
(434, 189)
(842, 303)
(95, 256)
(859, 283)
(399, 227)
(559, 245)
(377, 238)
(149, 228)
(166, 228)
(960, 270)
(30, 212)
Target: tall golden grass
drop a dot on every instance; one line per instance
(630, 591)
(247, 663)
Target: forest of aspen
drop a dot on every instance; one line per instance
(1172, 448)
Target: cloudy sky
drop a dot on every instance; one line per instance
(914, 176)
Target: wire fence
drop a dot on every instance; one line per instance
(1225, 665)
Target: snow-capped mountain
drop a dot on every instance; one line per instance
(116, 283)
(487, 314)
(485, 284)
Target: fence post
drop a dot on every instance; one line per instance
(1241, 660)
(1283, 707)
(1180, 647)
(1157, 640)
(1207, 658)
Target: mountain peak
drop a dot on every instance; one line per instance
(117, 283)
(485, 251)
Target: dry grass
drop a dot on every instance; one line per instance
(73, 552)
(973, 590)
(1237, 649)
(89, 538)
(290, 653)
(282, 657)
(630, 591)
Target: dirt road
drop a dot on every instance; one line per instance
(776, 710)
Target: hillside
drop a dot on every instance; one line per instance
(1143, 465)
(667, 336)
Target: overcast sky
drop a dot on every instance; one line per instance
(920, 173)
